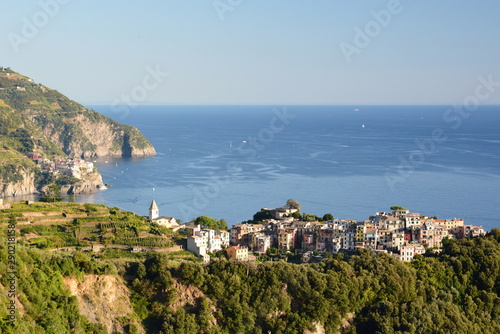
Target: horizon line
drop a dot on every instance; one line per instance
(282, 104)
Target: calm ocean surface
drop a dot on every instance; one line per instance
(230, 161)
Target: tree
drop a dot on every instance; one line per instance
(222, 224)
(308, 217)
(293, 204)
(261, 215)
(53, 194)
(395, 208)
(211, 223)
(327, 217)
(495, 233)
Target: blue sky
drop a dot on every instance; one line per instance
(262, 52)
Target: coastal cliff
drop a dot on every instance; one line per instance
(23, 184)
(34, 118)
(88, 134)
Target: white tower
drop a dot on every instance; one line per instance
(153, 210)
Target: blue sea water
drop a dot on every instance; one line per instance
(231, 161)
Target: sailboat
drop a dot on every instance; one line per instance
(363, 126)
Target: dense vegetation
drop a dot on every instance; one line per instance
(456, 291)
(211, 223)
(46, 304)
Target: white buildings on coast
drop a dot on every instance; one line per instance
(70, 167)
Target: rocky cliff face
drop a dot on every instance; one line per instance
(24, 186)
(90, 183)
(96, 136)
(103, 299)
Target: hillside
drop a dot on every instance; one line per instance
(34, 118)
(71, 226)
(113, 290)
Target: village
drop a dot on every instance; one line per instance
(401, 233)
(71, 167)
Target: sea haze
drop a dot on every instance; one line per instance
(231, 161)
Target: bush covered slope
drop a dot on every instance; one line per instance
(456, 291)
(453, 292)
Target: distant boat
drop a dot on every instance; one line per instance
(363, 126)
(355, 109)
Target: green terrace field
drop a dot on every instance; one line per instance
(75, 226)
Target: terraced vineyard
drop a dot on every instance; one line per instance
(85, 226)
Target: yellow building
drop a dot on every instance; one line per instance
(168, 222)
(237, 253)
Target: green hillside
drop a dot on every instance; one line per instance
(75, 226)
(77, 273)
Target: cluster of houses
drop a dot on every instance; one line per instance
(201, 241)
(70, 167)
(401, 233)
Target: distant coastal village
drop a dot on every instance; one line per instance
(68, 171)
(401, 233)
(69, 167)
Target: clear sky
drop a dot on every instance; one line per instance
(256, 51)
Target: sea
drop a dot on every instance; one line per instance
(351, 161)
